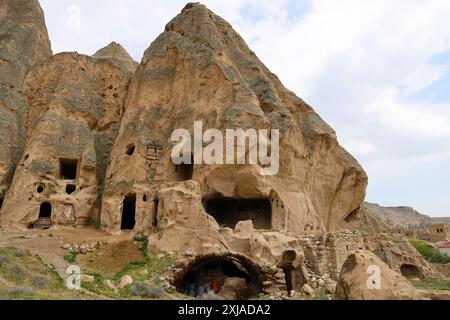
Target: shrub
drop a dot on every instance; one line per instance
(39, 282)
(141, 289)
(70, 257)
(430, 253)
(19, 254)
(95, 223)
(21, 292)
(17, 272)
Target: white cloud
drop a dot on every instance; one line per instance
(359, 147)
(416, 119)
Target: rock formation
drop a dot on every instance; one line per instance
(24, 42)
(383, 284)
(396, 251)
(75, 106)
(201, 69)
(89, 139)
(406, 218)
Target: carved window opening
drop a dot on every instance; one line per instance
(45, 210)
(71, 188)
(155, 213)
(68, 169)
(130, 149)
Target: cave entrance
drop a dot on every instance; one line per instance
(289, 277)
(291, 264)
(68, 169)
(184, 171)
(44, 220)
(228, 277)
(155, 212)
(229, 211)
(409, 271)
(1, 203)
(129, 212)
(45, 211)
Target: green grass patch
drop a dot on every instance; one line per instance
(432, 284)
(430, 253)
(29, 277)
(95, 223)
(70, 257)
(153, 265)
(320, 294)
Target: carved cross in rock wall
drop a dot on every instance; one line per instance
(153, 153)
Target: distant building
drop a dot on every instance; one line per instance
(439, 232)
(444, 248)
(419, 233)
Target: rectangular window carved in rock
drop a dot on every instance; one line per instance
(229, 211)
(68, 169)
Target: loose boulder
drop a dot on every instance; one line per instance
(365, 277)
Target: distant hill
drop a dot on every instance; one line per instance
(405, 217)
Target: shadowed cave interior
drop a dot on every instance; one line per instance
(220, 276)
(229, 211)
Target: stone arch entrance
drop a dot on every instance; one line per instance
(228, 276)
(291, 263)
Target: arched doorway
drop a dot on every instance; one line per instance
(45, 211)
(228, 276)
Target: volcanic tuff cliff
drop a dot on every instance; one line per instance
(23, 42)
(201, 69)
(198, 69)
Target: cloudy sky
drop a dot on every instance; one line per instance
(378, 71)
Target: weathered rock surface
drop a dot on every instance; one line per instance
(396, 251)
(377, 217)
(76, 103)
(126, 280)
(118, 55)
(24, 37)
(235, 289)
(183, 222)
(356, 283)
(24, 42)
(201, 69)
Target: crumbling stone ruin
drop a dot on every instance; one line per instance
(86, 139)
